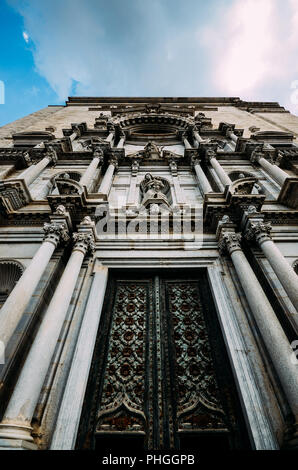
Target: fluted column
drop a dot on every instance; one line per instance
(273, 170)
(88, 176)
(202, 178)
(211, 158)
(273, 335)
(260, 231)
(31, 173)
(107, 180)
(16, 423)
(16, 303)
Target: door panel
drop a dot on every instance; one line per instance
(160, 376)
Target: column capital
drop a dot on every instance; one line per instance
(51, 154)
(113, 160)
(98, 153)
(55, 232)
(229, 241)
(209, 154)
(195, 160)
(83, 241)
(259, 231)
(257, 154)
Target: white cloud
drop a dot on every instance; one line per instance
(253, 49)
(26, 36)
(245, 48)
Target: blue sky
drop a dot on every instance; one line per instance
(55, 48)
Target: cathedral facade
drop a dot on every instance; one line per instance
(148, 276)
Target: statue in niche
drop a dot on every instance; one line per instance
(154, 189)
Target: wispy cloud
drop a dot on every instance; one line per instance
(244, 48)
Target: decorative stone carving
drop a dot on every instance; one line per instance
(252, 210)
(51, 154)
(229, 241)
(152, 151)
(84, 242)
(154, 190)
(113, 160)
(173, 168)
(60, 210)
(98, 153)
(210, 153)
(55, 232)
(259, 231)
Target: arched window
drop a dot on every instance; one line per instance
(10, 273)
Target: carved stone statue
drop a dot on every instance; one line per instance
(154, 190)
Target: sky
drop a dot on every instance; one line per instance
(52, 49)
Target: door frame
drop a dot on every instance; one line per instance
(258, 422)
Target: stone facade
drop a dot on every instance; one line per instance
(105, 200)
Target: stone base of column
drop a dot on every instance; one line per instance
(16, 444)
(11, 431)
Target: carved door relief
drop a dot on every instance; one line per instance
(160, 374)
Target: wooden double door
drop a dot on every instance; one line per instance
(160, 376)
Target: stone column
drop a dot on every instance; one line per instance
(180, 199)
(121, 141)
(260, 231)
(107, 180)
(197, 135)
(88, 176)
(31, 173)
(232, 136)
(186, 143)
(202, 178)
(131, 199)
(273, 335)
(16, 423)
(111, 137)
(273, 170)
(16, 303)
(71, 407)
(211, 158)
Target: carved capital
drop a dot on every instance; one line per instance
(98, 153)
(210, 153)
(256, 155)
(229, 241)
(55, 232)
(258, 231)
(84, 242)
(51, 154)
(113, 160)
(195, 160)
